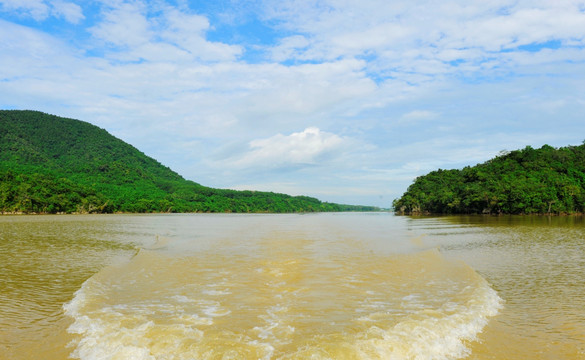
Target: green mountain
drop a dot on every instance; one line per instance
(50, 164)
(528, 181)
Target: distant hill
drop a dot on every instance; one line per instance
(528, 181)
(50, 164)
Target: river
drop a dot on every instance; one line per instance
(296, 286)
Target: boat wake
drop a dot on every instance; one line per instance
(286, 302)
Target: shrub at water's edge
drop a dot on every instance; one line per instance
(50, 164)
(528, 181)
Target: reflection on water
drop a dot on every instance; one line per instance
(339, 286)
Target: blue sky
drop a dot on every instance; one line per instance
(347, 101)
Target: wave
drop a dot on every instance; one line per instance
(282, 304)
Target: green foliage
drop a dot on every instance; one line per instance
(50, 164)
(528, 181)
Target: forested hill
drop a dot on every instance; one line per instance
(528, 181)
(50, 164)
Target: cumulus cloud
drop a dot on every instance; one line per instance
(309, 147)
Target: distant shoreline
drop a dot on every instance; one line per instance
(188, 213)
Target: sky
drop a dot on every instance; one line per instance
(344, 100)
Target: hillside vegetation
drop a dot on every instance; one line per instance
(50, 164)
(527, 181)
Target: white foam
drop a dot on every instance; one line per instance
(124, 331)
(216, 292)
(411, 297)
(215, 311)
(276, 329)
(103, 341)
(438, 334)
(183, 299)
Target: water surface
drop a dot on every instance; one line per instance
(322, 286)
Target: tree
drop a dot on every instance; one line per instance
(545, 180)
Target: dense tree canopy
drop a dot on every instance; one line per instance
(527, 181)
(50, 164)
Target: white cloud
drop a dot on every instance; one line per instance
(69, 11)
(187, 31)
(308, 147)
(139, 32)
(289, 47)
(405, 37)
(37, 9)
(124, 25)
(30, 55)
(419, 115)
(280, 94)
(42, 9)
(525, 26)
